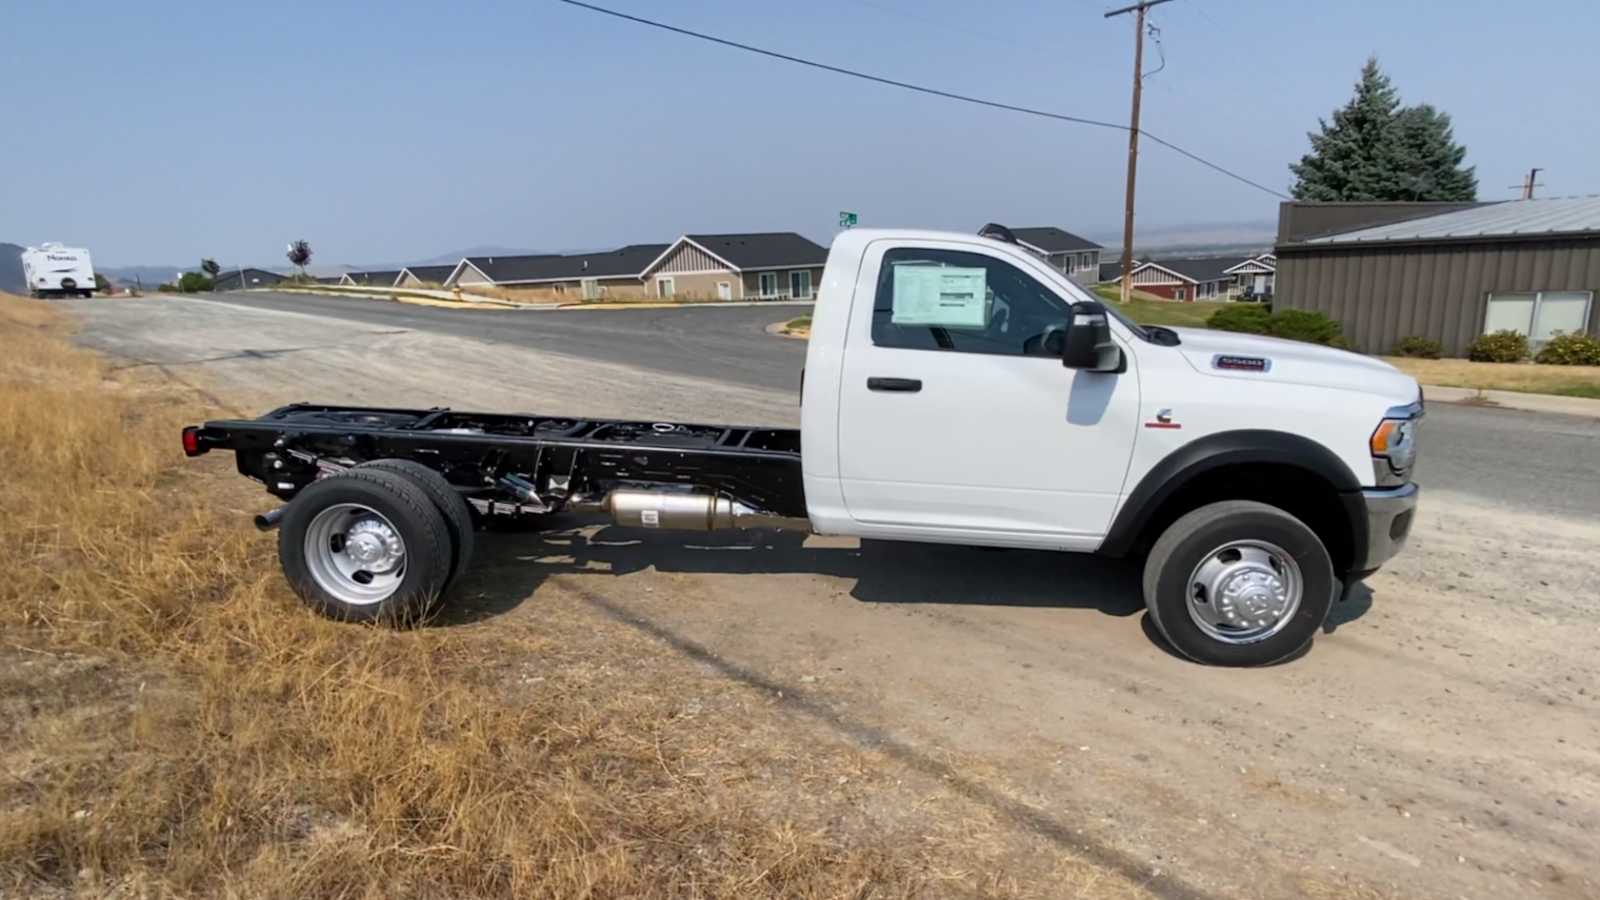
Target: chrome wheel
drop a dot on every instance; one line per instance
(1245, 591)
(355, 554)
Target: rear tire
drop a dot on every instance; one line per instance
(366, 545)
(1239, 583)
(457, 514)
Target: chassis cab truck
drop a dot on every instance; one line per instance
(957, 390)
(53, 270)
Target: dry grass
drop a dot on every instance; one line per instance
(1528, 378)
(172, 724)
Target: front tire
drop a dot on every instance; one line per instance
(1239, 583)
(366, 545)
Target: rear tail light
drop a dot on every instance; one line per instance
(191, 442)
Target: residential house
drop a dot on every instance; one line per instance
(610, 274)
(1444, 271)
(779, 265)
(371, 279)
(244, 279)
(1190, 278)
(423, 276)
(1254, 278)
(1076, 257)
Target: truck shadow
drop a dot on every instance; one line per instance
(509, 566)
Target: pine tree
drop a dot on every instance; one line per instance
(1426, 160)
(1376, 150)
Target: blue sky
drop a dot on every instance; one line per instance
(400, 131)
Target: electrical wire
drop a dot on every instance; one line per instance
(922, 89)
(1154, 32)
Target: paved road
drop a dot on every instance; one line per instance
(1531, 461)
(724, 344)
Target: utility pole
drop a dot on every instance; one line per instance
(1529, 184)
(1133, 137)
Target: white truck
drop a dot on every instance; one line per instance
(54, 270)
(957, 390)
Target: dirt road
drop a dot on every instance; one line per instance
(1442, 739)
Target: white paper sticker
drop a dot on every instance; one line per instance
(945, 296)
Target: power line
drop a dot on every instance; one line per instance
(922, 89)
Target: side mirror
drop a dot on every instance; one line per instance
(1088, 343)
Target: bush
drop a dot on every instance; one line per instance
(1243, 319)
(1304, 325)
(1502, 346)
(193, 283)
(1419, 348)
(1570, 350)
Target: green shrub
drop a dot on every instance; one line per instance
(1304, 325)
(1419, 348)
(1570, 350)
(1244, 319)
(193, 283)
(1501, 346)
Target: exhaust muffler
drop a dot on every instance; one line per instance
(691, 512)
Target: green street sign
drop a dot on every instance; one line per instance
(848, 219)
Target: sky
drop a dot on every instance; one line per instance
(399, 131)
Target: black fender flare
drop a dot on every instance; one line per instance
(1229, 448)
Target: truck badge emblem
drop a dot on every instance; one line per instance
(1241, 363)
(1163, 420)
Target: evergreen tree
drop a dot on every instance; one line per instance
(1426, 160)
(1376, 150)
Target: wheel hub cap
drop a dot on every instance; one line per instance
(1245, 591)
(374, 545)
(355, 554)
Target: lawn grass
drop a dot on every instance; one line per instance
(1148, 310)
(799, 326)
(1527, 378)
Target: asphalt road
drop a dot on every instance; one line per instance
(729, 344)
(1532, 461)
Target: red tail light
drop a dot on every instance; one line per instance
(191, 442)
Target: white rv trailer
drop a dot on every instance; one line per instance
(53, 270)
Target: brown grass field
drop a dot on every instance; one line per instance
(1530, 378)
(172, 723)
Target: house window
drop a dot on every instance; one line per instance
(1085, 261)
(724, 290)
(1540, 315)
(664, 287)
(1178, 294)
(768, 285)
(800, 284)
(591, 289)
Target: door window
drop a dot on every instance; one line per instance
(800, 284)
(664, 287)
(769, 284)
(965, 302)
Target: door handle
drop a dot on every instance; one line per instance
(900, 385)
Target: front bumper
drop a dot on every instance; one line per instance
(1389, 513)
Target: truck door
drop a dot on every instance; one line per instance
(957, 420)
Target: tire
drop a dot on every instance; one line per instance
(457, 513)
(1257, 559)
(380, 506)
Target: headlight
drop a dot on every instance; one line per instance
(1394, 444)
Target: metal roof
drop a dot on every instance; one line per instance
(1563, 215)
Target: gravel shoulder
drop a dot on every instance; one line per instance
(1442, 739)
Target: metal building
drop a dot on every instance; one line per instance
(1446, 271)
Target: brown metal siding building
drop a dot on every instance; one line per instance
(1388, 271)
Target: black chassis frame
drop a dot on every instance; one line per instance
(560, 457)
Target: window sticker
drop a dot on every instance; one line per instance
(943, 296)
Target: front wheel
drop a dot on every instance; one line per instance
(1239, 583)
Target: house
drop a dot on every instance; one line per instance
(776, 265)
(244, 279)
(1189, 278)
(1254, 278)
(423, 276)
(1444, 271)
(1076, 257)
(372, 279)
(590, 276)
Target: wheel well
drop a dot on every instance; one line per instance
(1299, 492)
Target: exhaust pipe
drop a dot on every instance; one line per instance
(269, 520)
(691, 512)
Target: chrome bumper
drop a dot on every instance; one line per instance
(1390, 512)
